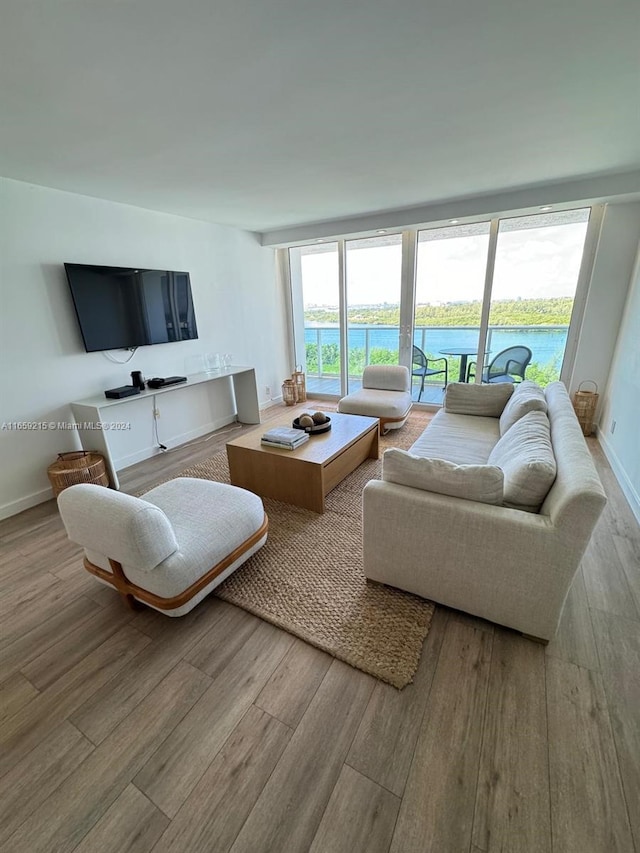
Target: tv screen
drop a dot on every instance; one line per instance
(125, 307)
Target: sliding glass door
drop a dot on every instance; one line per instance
(373, 270)
(450, 277)
(315, 284)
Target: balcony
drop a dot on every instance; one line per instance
(379, 345)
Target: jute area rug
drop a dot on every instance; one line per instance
(308, 578)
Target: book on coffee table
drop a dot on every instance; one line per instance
(285, 435)
(283, 445)
(284, 438)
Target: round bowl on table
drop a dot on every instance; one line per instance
(317, 429)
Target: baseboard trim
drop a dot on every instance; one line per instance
(21, 504)
(15, 507)
(173, 442)
(269, 404)
(628, 490)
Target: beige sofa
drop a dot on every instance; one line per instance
(492, 508)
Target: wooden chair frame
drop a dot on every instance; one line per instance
(384, 422)
(130, 592)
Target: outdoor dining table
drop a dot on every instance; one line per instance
(464, 353)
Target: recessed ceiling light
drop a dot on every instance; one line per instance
(381, 231)
(320, 240)
(454, 221)
(546, 207)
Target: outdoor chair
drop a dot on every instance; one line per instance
(507, 366)
(422, 367)
(171, 547)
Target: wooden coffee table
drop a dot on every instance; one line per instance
(306, 475)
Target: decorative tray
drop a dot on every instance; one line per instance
(316, 429)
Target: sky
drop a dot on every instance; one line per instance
(530, 263)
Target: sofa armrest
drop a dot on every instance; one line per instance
(505, 565)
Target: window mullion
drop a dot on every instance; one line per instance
(486, 298)
(407, 295)
(343, 318)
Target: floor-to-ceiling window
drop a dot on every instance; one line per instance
(534, 285)
(373, 270)
(450, 278)
(315, 283)
(489, 285)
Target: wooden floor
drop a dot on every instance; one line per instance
(217, 731)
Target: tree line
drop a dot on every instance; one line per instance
(508, 312)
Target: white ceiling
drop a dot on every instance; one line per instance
(267, 114)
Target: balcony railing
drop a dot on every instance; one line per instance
(379, 344)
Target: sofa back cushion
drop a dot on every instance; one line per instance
(526, 457)
(474, 482)
(527, 397)
(486, 401)
(386, 377)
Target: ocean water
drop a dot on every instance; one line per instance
(547, 345)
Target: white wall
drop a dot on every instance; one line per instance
(621, 400)
(612, 269)
(239, 309)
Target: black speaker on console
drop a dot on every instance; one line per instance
(137, 379)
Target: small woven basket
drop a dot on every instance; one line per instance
(77, 467)
(301, 384)
(584, 405)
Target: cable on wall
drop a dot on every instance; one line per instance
(108, 355)
(162, 446)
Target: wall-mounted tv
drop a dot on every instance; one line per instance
(126, 307)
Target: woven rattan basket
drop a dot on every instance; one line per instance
(301, 384)
(289, 392)
(584, 405)
(78, 467)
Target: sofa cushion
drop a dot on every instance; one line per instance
(458, 438)
(527, 397)
(486, 401)
(526, 457)
(482, 483)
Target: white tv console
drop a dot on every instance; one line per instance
(94, 410)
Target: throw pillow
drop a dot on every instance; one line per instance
(487, 401)
(473, 482)
(526, 457)
(527, 397)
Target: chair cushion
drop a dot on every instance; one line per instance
(386, 377)
(527, 397)
(473, 482)
(487, 401)
(210, 520)
(376, 404)
(127, 529)
(526, 456)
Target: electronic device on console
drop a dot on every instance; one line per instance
(162, 382)
(122, 391)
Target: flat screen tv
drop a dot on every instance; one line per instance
(126, 307)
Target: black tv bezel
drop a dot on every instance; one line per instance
(133, 346)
